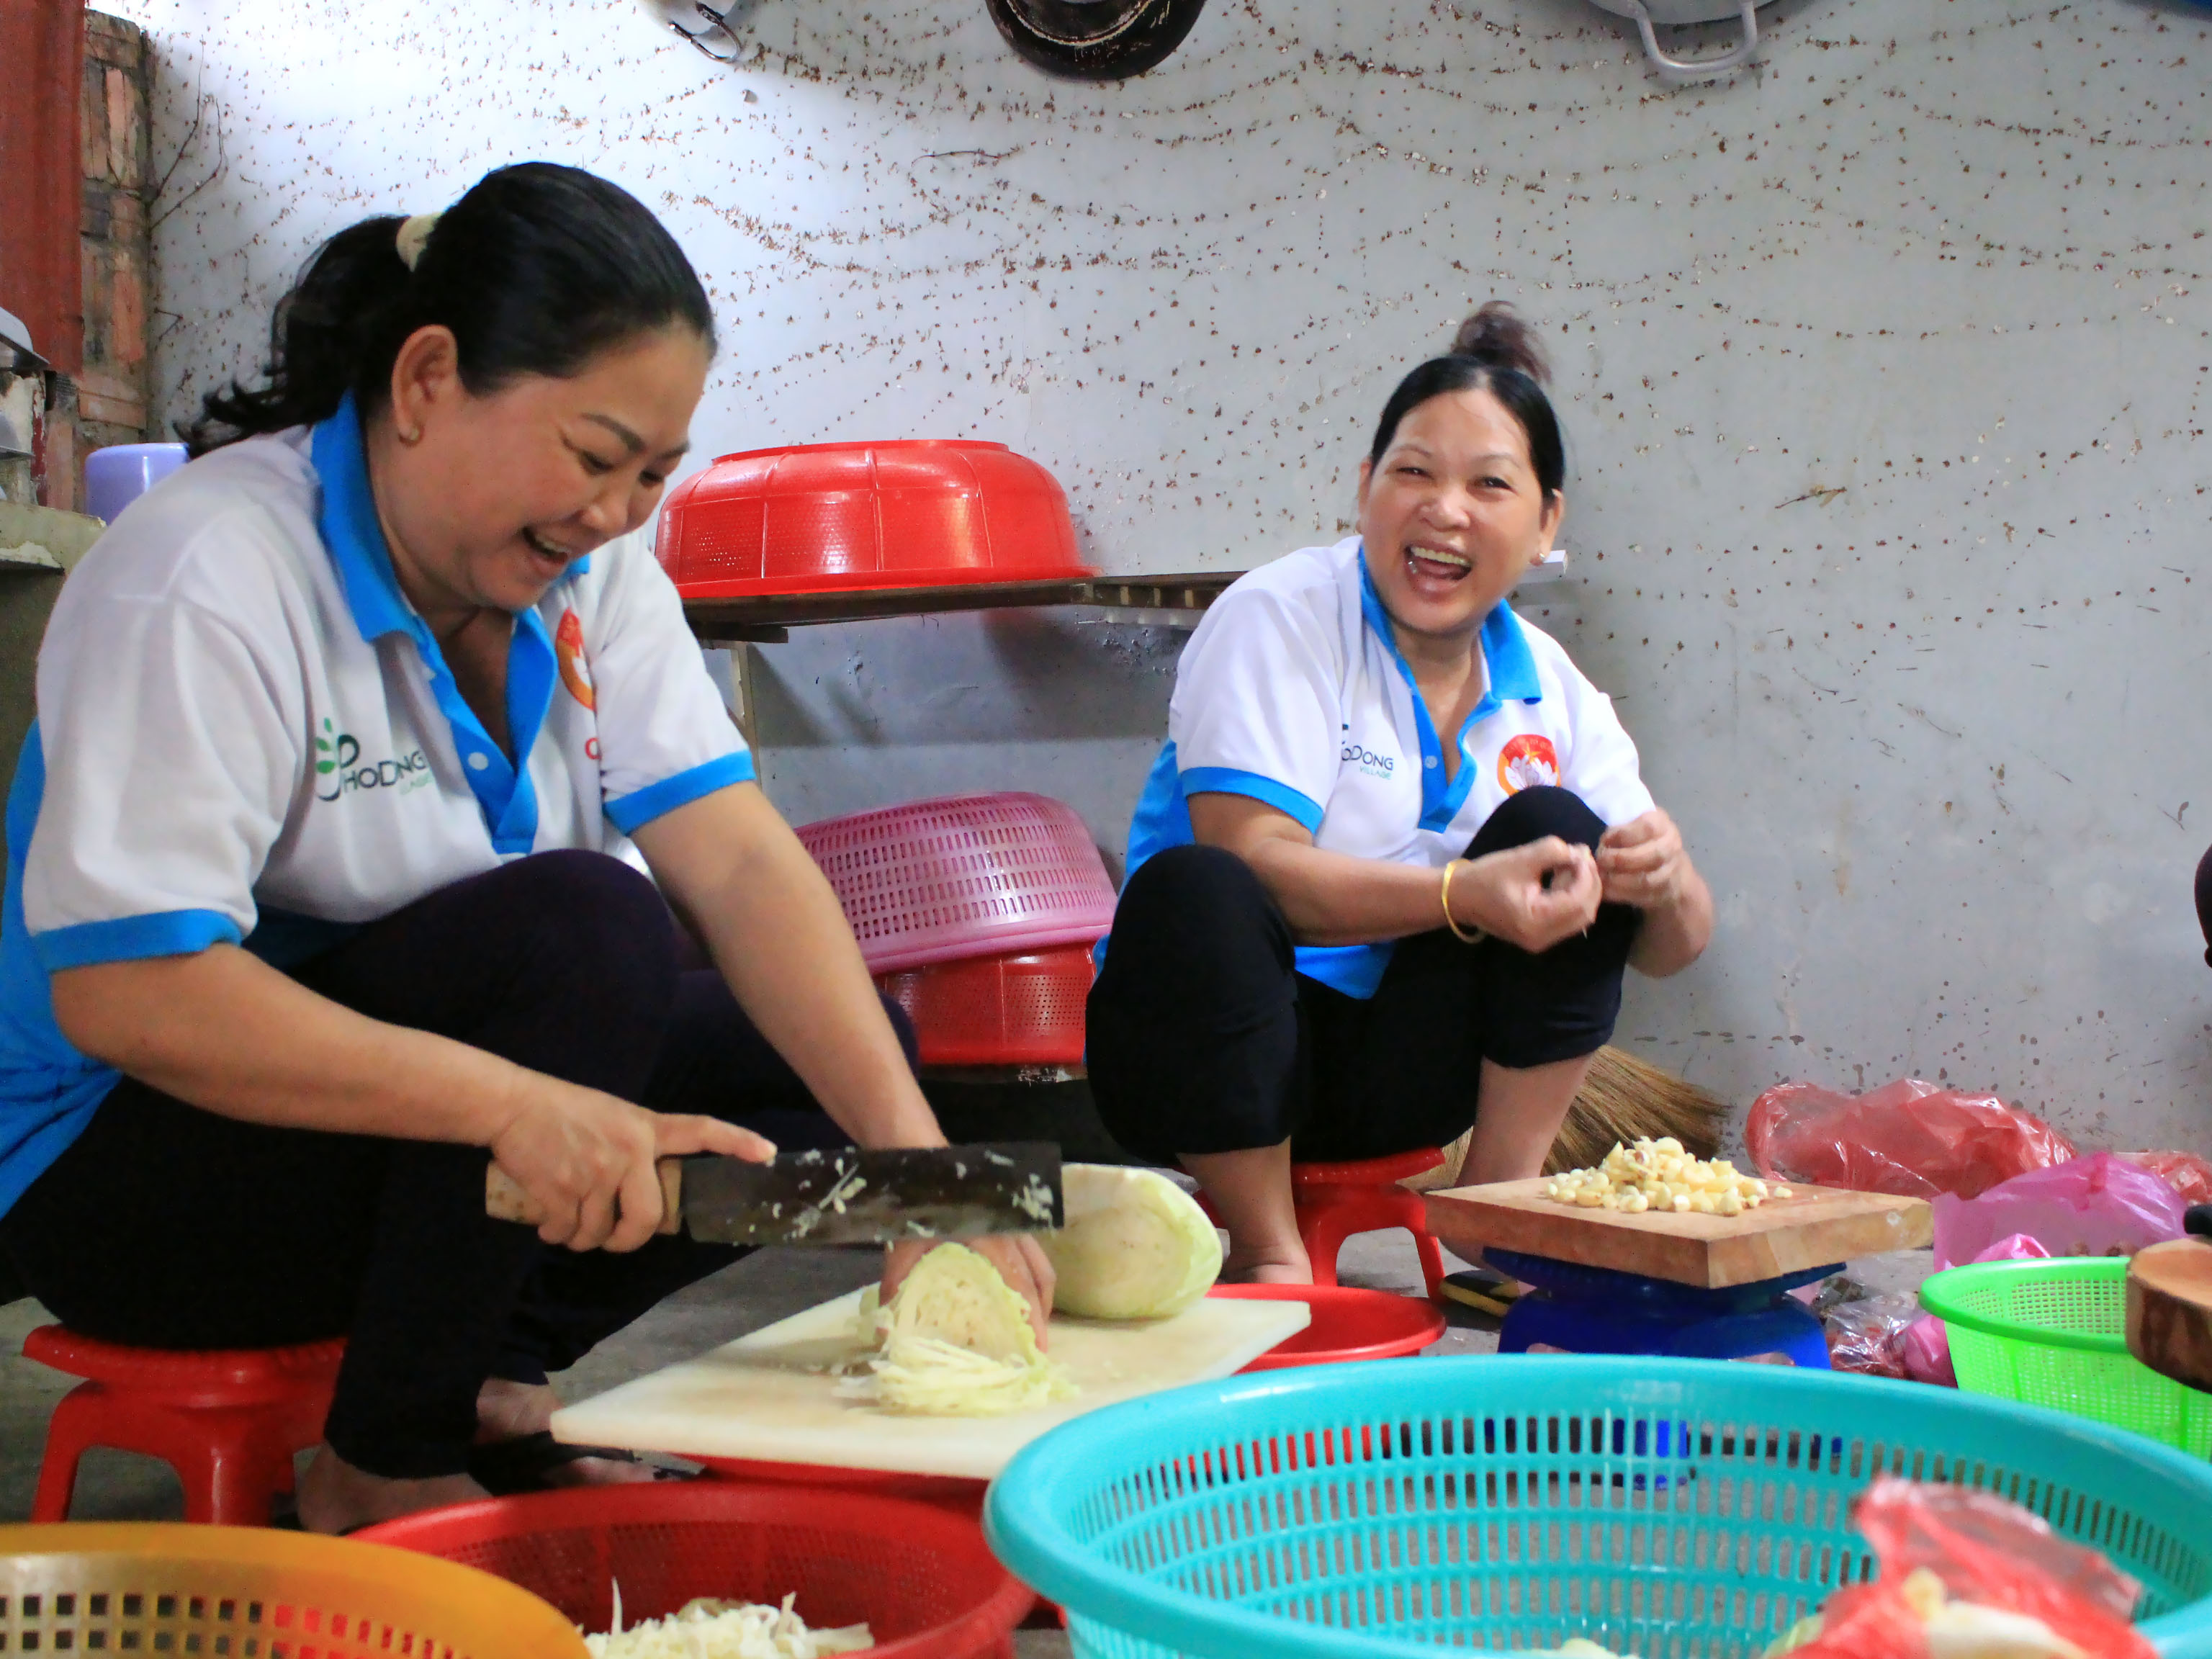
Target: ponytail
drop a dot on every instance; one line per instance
(536, 271)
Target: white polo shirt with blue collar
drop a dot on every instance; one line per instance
(1293, 691)
(246, 734)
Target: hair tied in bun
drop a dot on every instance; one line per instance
(1496, 338)
(1496, 352)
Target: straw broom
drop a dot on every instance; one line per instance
(1622, 1099)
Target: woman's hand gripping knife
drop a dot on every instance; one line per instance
(742, 882)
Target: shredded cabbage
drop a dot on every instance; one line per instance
(1955, 1629)
(707, 1629)
(1136, 1246)
(955, 1342)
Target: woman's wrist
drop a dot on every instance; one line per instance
(1465, 931)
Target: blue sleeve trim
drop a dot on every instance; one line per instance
(131, 938)
(633, 811)
(1227, 780)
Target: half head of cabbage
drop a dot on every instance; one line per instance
(1136, 1246)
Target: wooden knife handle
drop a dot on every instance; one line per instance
(505, 1199)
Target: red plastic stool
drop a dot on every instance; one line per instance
(228, 1422)
(1335, 1200)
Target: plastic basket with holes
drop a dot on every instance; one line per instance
(2054, 1333)
(965, 876)
(829, 517)
(1023, 1009)
(251, 1593)
(1676, 1509)
(917, 1575)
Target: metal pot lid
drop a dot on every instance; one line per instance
(1095, 39)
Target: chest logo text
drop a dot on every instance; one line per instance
(339, 765)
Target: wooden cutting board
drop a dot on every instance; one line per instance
(768, 1398)
(1812, 1228)
(2170, 1310)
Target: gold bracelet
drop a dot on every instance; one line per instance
(1473, 937)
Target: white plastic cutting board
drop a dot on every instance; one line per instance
(769, 1396)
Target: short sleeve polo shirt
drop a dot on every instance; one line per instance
(1293, 691)
(246, 735)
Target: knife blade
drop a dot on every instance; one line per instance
(847, 1196)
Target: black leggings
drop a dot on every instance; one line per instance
(166, 1226)
(1205, 1038)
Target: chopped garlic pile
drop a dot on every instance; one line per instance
(1658, 1175)
(707, 1629)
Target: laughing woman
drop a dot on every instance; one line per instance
(1344, 935)
(327, 881)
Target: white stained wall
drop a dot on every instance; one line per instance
(1884, 366)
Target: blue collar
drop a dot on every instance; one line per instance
(349, 523)
(347, 519)
(351, 529)
(1511, 670)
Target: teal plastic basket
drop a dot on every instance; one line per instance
(1666, 1509)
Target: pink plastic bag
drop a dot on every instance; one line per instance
(2101, 1204)
(2186, 1173)
(1926, 1352)
(1909, 1138)
(1926, 1349)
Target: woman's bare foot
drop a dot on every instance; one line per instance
(514, 1411)
(335, 1497)
(1274, 1266)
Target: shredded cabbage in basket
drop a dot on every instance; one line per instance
(707, 1629)
(954, 1342)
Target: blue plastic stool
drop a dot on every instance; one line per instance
(1598, 1311)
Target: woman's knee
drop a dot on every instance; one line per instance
(1534, 813)
(598, 903)
(1191, 902)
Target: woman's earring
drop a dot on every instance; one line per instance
(412, 435)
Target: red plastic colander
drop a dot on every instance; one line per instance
(1348, 1323)
(824, 518)
(933, 881)
(919, 1575)
(1024, 1009)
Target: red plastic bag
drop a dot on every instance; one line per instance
(2186, 1173)
(1985, 1550)
(1909, 1138)
(2101, 1204)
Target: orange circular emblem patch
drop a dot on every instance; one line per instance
(1527, 761)
(568, 651)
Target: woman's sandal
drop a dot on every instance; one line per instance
(506, 1468)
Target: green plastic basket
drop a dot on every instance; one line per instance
(2055, 1333)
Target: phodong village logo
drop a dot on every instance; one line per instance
(337, 764)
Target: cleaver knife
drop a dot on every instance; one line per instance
(843, 1197)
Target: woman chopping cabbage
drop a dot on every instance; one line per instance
(355, 740)
(1395, 854)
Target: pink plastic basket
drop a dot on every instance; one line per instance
(966, 875)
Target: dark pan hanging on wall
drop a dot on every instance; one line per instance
(1095, 39)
